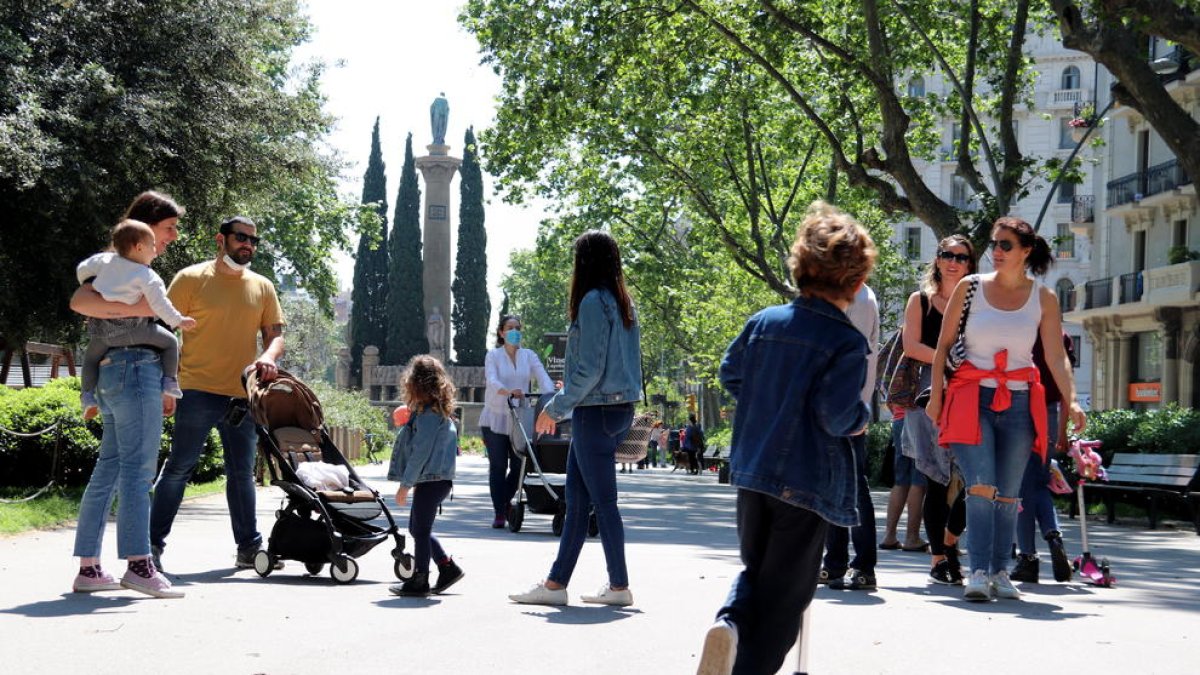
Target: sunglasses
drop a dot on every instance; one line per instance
(242, 238)
(960, 258)
(1003, 244)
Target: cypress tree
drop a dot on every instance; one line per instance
(471, 303)
(406, 295)
(368, 315)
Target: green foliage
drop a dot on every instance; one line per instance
(1169, 430)
(536, 284)
(406, 297)
(350, 409)
(472, 308)
(26, 462)
(368, 315)
(102, 100)
(1181, 253)
(312, 338)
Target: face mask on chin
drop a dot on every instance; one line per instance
(235, 264)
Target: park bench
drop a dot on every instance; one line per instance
(719, 460)
(1146, 478)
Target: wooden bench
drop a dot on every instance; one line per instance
(1145, 478)
(719, 459)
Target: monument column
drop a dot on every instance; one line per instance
(437, 169)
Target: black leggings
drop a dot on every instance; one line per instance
(940, 516)
(425, 498)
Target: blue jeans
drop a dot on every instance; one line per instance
(1036, 501)
(197, 414)
(425, 500)
(504, 469)
(130, 397)
(998, 462)
(780, 545)
(837, 539)
(592, 483)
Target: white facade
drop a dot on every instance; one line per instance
(1140, 306)
(1064, 80)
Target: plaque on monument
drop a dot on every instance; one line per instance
(437, 212)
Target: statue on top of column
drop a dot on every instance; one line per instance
(439, 114)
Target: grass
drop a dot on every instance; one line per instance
(60, 506)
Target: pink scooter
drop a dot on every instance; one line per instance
(1089, 468)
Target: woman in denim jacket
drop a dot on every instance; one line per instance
(602, 381)
(797, 372)
(423, 460)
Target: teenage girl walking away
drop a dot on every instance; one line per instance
(423, 459)
(797, 372)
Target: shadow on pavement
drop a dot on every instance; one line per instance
(75, 604)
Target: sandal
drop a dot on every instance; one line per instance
(921, 547)
(894, 546)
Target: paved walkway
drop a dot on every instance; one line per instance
(681, 549)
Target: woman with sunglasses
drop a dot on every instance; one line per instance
(921, 463)
(994, 406)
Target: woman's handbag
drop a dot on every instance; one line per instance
(958, 351)
(632, 449)
(903, 383)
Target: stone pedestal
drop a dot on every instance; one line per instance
(438, 170)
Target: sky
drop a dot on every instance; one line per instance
(391, 59)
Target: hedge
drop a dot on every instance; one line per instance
(1169, 430)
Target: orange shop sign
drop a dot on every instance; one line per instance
(1145, 392)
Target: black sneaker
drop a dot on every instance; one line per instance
(854, 580)
(156, 556)
(245, 558)
(1058, 557)
(827, 577)
(944, 573)
(415, 587)
(449, 573)
(1026, 570)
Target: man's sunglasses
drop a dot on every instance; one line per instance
(242, 237)
(960, 258)
(1003, 244)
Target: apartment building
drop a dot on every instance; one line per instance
(1140, 307)
(1065, 82)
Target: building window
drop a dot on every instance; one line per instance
(912, 243)
(960, 194)
(1148, 351)
(1065, 290)
(1064, 241)
(916, 87)
(1065, 141)
(1070, 78)
(1066, 192)
(1179, 233)
(1076, 350)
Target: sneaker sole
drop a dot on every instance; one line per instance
(114, 586)
(153, 592)
(525, 600)
(720, 649)
(442, 589)
(610, 603)
(977, 596)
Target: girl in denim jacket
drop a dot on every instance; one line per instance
(797, 372)
(423, 459)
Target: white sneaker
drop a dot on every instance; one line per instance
(720, 649)
(1003, 588)
(978, 588)
(540, 595)
(607, 596)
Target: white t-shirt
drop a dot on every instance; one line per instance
(989, 330)
(864, 314)
(119, 279)
(502, 373)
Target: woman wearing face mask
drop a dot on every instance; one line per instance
(509, 370)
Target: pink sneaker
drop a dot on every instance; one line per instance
(153, 583)
(92, 579)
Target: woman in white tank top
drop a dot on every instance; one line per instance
(994, 404)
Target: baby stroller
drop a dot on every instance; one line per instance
(314, 525)
(546, 455)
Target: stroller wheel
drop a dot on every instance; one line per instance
(593, 526)
(344, 569)
(404, 566)
(556, 525)
(264, 563)
(516, 516)
(314, 568)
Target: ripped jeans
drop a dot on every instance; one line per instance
(995, 467)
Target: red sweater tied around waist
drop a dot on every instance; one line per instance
(959, 419)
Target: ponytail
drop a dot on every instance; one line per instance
(1040, 257)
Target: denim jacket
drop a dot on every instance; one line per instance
(797, 372)
(425, 450)
(604, 358)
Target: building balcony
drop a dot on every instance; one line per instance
(1173, 284)
(1131, 287)
(1143, 188)
(1067, 98)
(1138, 292)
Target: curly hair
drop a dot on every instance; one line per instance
(832, 253)
(427, 385)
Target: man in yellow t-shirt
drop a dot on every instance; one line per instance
(232, 307)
